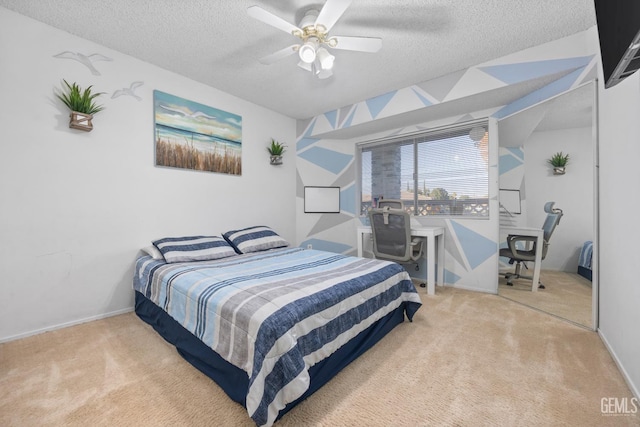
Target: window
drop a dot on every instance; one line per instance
(440, 172)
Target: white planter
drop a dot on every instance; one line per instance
(276, 160)
(559, 170)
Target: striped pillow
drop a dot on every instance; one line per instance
(193, 248)
(254, 239)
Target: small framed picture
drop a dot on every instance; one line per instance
(321, 199)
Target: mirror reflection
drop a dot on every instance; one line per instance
(547, 206)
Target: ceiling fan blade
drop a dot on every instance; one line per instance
(269, 18)
(277, 56)
(360, 44)
(331, 12)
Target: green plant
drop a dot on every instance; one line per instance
(81, 101)
(559, 160)
(276, 149)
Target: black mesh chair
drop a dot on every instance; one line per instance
(518, 250)
(391, 229)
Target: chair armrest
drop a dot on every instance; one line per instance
(513, 239)
(417, 240)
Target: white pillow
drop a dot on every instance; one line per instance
(153, 252)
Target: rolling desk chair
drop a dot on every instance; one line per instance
(519, 256)
(391, 230)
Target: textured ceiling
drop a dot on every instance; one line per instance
(218, 44)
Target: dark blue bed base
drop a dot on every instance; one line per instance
(235, 381)
(585, 272)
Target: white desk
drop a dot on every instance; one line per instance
(432, 234)
(538, 233)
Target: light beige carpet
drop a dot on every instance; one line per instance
(468, 359)
(566, 295)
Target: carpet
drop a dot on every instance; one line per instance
(468, 359)
(566, 295)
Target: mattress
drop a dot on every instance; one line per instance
(274, 315)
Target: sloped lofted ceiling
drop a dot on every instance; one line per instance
(218, 44)
(573, 109)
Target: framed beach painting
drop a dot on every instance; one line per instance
(193, 136)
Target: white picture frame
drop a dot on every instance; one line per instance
(510, 201)
(321, 199)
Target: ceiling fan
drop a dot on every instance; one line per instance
(314, 39)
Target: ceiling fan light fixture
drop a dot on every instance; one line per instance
(325, 58)
(324, 74)
(304, 65)
(309, 18)
(307, 51)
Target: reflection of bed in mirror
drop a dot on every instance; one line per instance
(584, 262)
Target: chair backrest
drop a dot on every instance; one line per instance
(550, 223)
(552, 220)
(391, 229)
(392, 203)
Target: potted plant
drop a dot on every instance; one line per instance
(276, 150)
(82, 104)
(559, 162)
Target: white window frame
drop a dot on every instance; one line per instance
(482, 214)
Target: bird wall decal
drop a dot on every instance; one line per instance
(128, 91)
(86, 60)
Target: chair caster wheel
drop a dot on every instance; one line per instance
(541, 286)
(423, 285)
(509, 284)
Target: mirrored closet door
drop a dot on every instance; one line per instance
(561, 126)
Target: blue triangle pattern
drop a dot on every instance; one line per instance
(424, 100)
(507, 163)
(305, 142)
(477, 248)
(348, 199)
(561, 85)
(516, 151)
(523, 71)
(450, 277)
(347, 123)
(332, 116)
(327, 159)
(377, 104)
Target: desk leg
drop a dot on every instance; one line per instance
(537, 265)
(359, 243)
(440, 259)
(431, 266)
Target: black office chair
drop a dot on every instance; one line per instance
(391, 229)
(519, 255)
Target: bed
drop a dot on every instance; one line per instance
(271, 326)
(585, 260)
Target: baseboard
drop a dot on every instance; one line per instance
(624, 373)
(66, 325)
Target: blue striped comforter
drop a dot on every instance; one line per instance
(586, 254)
(276, 313)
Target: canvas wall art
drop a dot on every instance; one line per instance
(190, 135)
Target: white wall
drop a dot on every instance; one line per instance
(619, 135)
(573, 192)
(77, 206)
